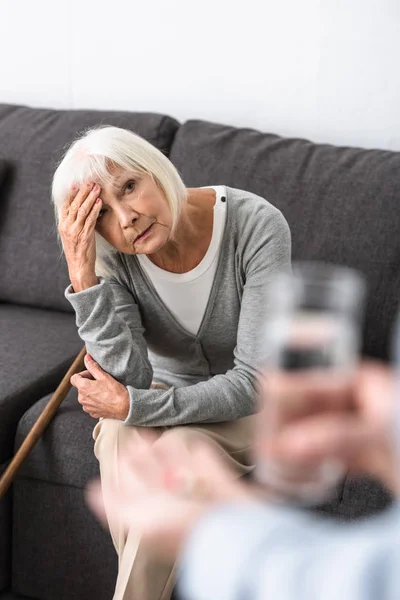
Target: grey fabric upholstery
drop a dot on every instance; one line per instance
(5, 537)
(37, 347)
(342, 204)
(3, 172)
(60, 552)
(11, 596)
(33, 140)
(49, 497)
(64, 454)
(362, 496)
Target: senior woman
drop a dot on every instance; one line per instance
(167, 286)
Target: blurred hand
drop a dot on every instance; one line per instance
(308, 420)
(76, 226)
(99, 393)
(164, 488)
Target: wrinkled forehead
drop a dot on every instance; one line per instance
(116, 175)
(115, 171)
(111, 173)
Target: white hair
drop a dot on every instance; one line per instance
(93, 156)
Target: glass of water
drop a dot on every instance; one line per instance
(313, 329)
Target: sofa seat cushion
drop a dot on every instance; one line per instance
(60, 550)
(11, 596)
(64, 453)
(5, 537)
(342, 204)
(37, 348)
(33, 140)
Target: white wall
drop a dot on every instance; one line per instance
(323, 69)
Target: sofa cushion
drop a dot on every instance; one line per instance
(363, 496)
(3, 172)
(64, 453)
(11, 596)
(32, 269)
(37, 347)
(342, 204)
(60, 550)
(5, 537)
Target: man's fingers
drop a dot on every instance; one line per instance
(295, 395)
(317, 438)
(375, 392)
(210, 464)
(172, 450)
(144, 464)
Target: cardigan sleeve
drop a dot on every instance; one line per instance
(109, 323)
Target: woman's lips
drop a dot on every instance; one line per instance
(144, 234)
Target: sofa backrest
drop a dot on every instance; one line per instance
(342, 204)
(32, 141)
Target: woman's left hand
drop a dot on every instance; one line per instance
(99, 393)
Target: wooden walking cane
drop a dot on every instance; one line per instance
(41, 424)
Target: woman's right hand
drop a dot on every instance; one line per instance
(76, 226)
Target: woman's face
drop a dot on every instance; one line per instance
(135, 217)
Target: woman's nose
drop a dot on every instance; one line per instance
(127, 216)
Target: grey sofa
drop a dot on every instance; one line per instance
(342, 206)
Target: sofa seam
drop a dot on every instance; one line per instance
(55, 483)
(169, 143)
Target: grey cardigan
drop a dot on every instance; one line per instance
(212, 375)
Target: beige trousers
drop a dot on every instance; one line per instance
(140, 575)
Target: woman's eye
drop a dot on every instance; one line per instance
(130, 186)
(101, 213)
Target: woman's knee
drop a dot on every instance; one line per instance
(236, 452)
(189, 435)
(105, 435)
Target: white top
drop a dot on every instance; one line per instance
(186, 294)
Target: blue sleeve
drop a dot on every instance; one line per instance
(258, 552)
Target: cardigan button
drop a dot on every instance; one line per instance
(223, 199)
